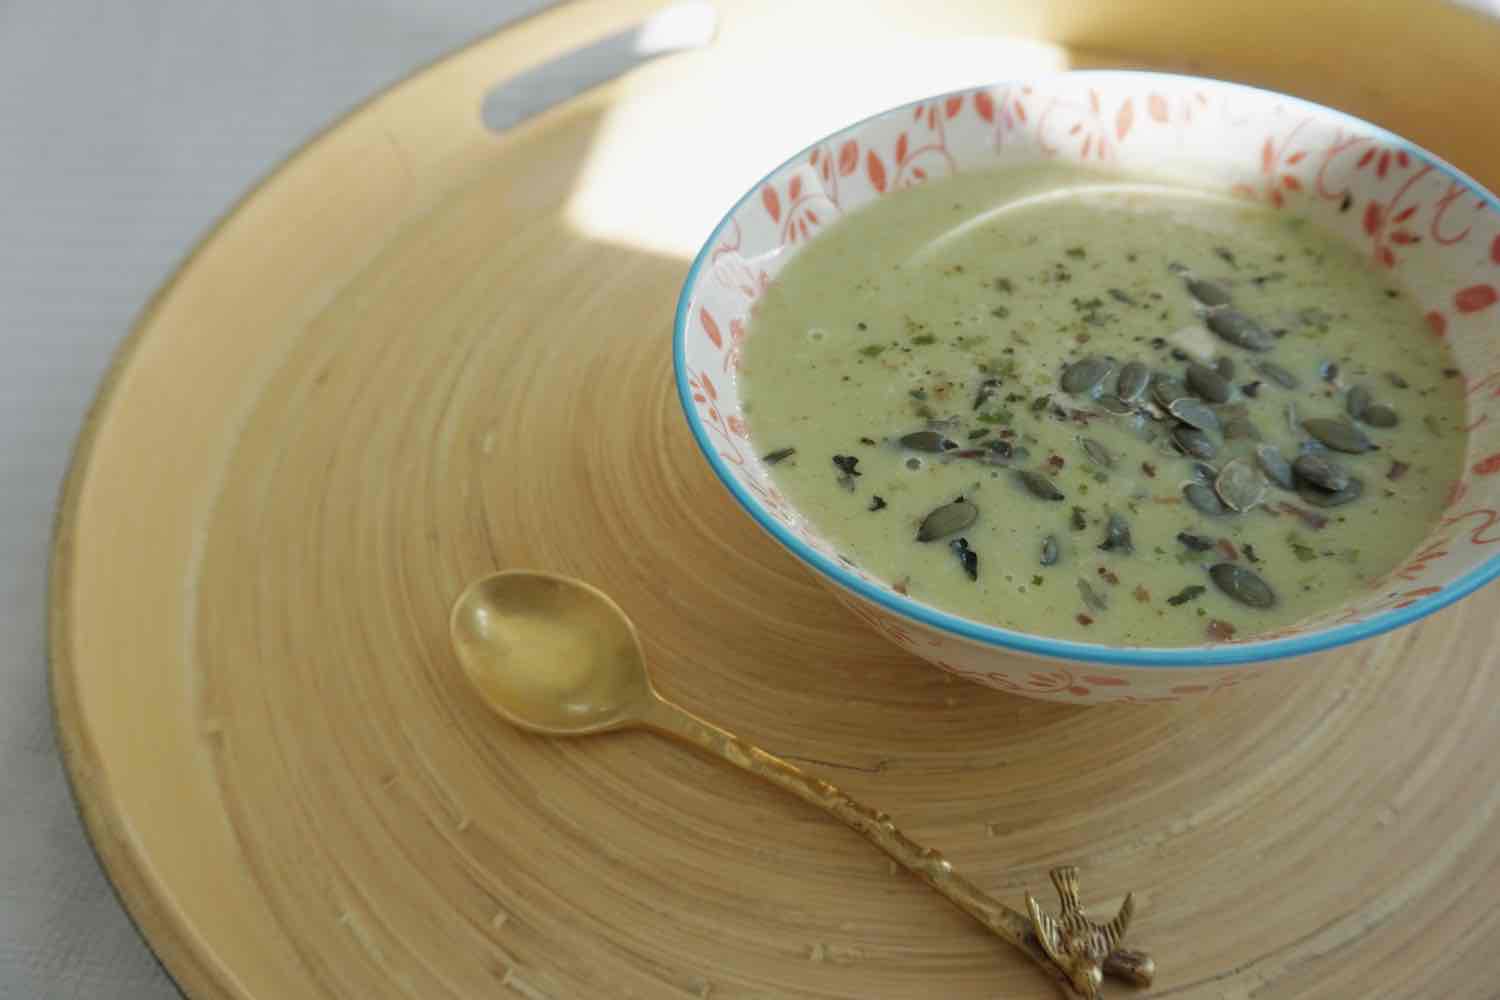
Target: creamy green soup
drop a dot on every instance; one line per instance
(1100, 408)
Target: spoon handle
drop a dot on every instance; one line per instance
(923, 862)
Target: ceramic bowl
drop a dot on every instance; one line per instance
(1409, 211)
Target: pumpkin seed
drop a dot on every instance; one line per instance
(1224, 366)
(1039, 485)
(1049, 550)
(1278, 374)
(1242, 585)
(1210, 293)
(1114, 405)
(1203, 472)
(928, 440)
(1321, 472)
(1357, 402)
(1195, 543)
(1091, 597)
(1239, 329)
(1097, 453)
(1207, 383)
(1193, 413)
(1133, 380)
(1194, 442)
(1204, 499)
(1167, 390)
(1117, 535)
(1276, 468)
(1084, 377)
(1240, 486)
(949, 519)
(1340, 435)
(1381, 415)
(1325, 498)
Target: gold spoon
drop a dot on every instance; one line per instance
(556, 656)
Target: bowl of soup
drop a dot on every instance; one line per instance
(1109, 386)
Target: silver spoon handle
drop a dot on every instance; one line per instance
(923, 862)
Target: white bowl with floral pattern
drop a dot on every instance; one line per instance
(1412, 213)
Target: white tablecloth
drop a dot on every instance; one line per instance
(129, 126)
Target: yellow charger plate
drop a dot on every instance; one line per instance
(420, 351)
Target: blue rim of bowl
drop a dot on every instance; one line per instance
(1025, 642)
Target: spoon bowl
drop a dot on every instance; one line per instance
(550, 654)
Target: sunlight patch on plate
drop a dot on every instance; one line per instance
(670, 160)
